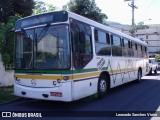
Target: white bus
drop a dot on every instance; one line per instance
(63, 56)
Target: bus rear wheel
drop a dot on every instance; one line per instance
(103, 85)
(150, 72)
(155, 71)
(139, 76)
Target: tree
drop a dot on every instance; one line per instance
(141, 26)
(10, 11)
(7, 39)
(13, 7)
(41, 7)
(157, 57)
(87, 8)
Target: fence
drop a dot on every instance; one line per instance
(9, 66)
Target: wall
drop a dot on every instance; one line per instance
(6, 77)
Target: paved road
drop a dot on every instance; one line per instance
(143, 96)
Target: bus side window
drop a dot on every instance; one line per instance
(116, 47)
(102, 43)
(125, 47)
(135, 50)
(139, 51)
(146, 52)
(131, 49)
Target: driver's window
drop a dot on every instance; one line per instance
(82, 44)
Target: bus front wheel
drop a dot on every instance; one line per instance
(103, 85)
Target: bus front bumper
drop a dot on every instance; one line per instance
(55, 94)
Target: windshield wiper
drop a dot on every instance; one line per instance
(42, 33)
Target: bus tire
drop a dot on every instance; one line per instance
(155, 71)
(150, 72)
(139, 75)
(103, 85)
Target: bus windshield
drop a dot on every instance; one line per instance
(43, 48)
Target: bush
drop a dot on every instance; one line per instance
(5, 58)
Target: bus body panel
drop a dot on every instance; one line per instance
(61, 93)
(84, 88)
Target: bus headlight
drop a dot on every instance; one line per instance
(54, 83)
(18, 81)
(59, 81)
(65, 78)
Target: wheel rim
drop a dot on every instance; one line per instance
(103, 86)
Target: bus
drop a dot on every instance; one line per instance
(62, 56)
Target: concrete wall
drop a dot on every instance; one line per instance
(6, 77)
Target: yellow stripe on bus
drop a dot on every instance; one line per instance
(42, 77)
(87, 75)
(73, 76)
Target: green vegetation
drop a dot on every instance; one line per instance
(7, 39)
(141, 26)
(11, 10)
(157, 57)
(87, 8)
(6, 94)
(41, 7)
(14, 7)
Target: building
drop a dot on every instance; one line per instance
(151, 36)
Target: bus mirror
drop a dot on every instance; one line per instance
(81, 37)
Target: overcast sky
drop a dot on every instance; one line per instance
(119, 11)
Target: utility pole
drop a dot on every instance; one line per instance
(133, 6)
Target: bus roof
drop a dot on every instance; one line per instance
(103, 27)
(62, 16)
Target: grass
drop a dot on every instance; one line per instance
(6, 94)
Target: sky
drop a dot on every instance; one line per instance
(119, 11)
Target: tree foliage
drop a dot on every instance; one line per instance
(141, 26)
(41, 7)
(87, 8)
(157, 57)
(7, 39)
(10, 11)
(13, 7)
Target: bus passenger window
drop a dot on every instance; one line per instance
(125, 48)
(102, 43)
(146, 53)
(116, 47)
(135, 52)
(139, 51)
